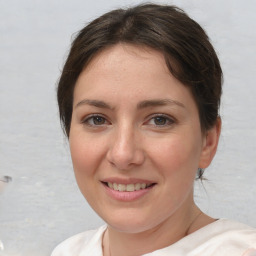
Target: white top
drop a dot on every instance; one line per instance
(220, 238)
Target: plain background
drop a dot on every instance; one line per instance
(43, 206)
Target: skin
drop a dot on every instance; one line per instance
(125, 87)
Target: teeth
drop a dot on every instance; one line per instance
(137, 186)
(115, 186)
(121, 187)
(110, 185)
(128, 187)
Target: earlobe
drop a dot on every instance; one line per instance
(210, 144)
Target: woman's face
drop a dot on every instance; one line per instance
(135, 139)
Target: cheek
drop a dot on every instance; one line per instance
(85, 157)
(176, 161)
(176, 155)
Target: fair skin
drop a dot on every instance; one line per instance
(135, 125)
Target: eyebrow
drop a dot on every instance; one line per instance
(159, 102)
(140, 105)
(95, 103)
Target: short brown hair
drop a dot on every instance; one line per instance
(188, 52)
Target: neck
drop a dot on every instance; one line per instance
(179, 225)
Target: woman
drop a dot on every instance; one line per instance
(139, 98)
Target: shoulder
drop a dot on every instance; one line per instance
(239, 230)
(222, 237)
(225, 237)
(81, 244)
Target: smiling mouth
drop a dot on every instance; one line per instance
(128, 187)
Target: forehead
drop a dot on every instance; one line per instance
(122, 55)
(125, 71)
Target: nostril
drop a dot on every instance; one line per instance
(125, 158)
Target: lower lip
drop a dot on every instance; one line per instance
(127, 196)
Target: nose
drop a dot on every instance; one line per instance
(125, 150)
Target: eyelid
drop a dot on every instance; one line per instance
(85, 120)
(169, 118)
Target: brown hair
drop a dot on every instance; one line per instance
(189, 55)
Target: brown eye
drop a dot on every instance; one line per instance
(98, 120)
(95, 120)
(160, 120)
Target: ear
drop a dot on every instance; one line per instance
(210, 144)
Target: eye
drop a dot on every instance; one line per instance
(161, 120)
(95, 120)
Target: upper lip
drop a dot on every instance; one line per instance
(126, 181)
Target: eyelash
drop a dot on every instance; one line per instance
(92, 118)
(168, 121)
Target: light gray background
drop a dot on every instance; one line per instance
(42, 206)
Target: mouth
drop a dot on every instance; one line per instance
(128, 187)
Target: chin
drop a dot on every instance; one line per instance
(131, 222)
